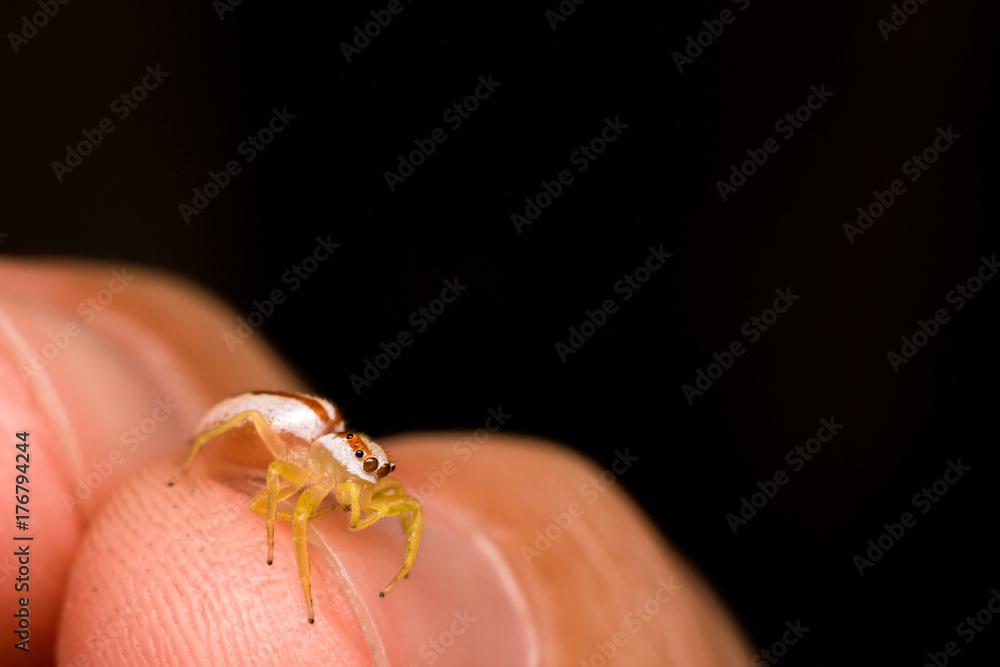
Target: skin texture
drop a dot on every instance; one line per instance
(137, 572)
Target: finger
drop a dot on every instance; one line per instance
(133, 375)
(106, 367)
(596, 577)
(485, 590)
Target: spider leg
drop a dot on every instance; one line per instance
(297, 478)
(387, 484)
(353, 492)
(303, 512)
(388, 502)
(392, 485)
(273, 441)
(321, 512)
(259, 503)
(285, 490)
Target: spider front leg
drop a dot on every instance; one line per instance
(262, 504)
(286, 490)
(390, 485)
(303, 512)
(389, 500)
(266, 503)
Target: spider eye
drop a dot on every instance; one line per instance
(360, 454)
(350, 435)
(371, 463)
(392, 466)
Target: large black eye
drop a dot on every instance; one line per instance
(360, 454)
(350, 435)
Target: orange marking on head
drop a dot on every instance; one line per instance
(358, 443)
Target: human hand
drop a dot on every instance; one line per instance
(519, 564)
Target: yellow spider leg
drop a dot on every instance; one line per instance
(259, 503)
(354, 493)
(304, 508)
(275, 472)
(324, 511)
(392, 485)
(383, 505)
(267, 434)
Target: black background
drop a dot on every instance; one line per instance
(825, 357)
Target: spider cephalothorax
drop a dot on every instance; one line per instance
(359, 454)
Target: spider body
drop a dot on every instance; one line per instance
(315, 456)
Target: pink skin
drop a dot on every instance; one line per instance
(126, 570)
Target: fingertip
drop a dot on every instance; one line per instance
(574, 565)
(157, 565)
